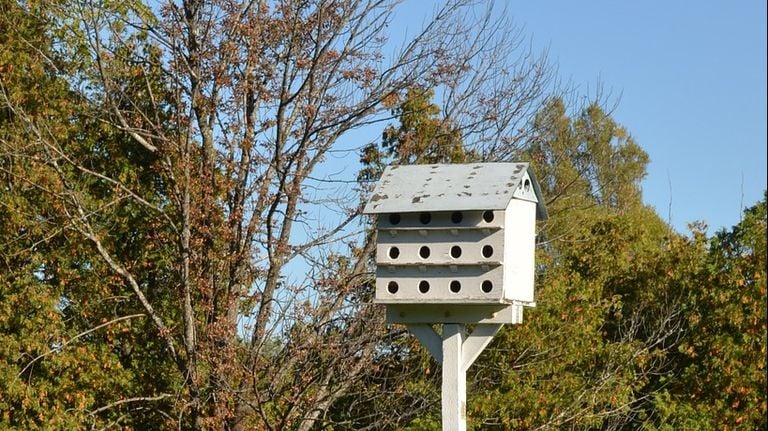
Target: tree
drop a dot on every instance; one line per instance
(585, 354)
(182, 178)
(637, 327)
(72, 338)
(422, 137)
(175, 255)
(719, 377)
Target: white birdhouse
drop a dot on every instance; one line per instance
(456, 234)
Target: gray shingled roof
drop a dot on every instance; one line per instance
(456, 187)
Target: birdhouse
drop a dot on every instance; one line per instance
(456, 234)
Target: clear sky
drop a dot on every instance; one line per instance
(690, 77)
(692, 81)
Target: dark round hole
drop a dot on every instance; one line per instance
(487, 251)
(455, 286)
(457, 217)
(487, 286)
(424, 252)
(423, 286)
(455, 252)
(394, 219)
(392, 287)
(394, 253)
(527, 185)
(488, 216)
(425, 218)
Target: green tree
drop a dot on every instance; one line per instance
(586, 164)
(422, 137)
(636, 326)
(585, 356)
(719, 378)
(74, 340)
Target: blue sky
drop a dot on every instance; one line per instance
(690, 78)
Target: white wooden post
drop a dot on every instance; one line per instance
(456, 351)
(454, 391)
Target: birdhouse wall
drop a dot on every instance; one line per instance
(436, 285)
(440, 257)
(440, 220)
(519, 248)
(460, 247)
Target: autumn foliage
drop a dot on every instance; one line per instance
(181, 245)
